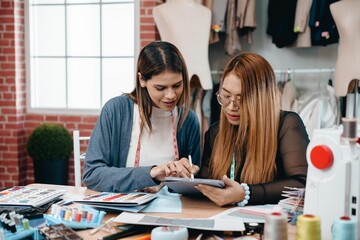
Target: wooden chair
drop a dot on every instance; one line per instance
(78, 155)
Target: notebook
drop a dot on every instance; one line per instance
(28, 196)
(186, 185)
(118, 199)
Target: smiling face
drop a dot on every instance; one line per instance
(164, 89)
(231, 90)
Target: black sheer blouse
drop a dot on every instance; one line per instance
(290, 160)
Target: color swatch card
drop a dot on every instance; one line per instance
(293, 204)
(28, 196)
(118, 199)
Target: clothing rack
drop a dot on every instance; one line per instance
(292, 70)
(305, 70)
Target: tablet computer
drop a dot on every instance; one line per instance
(186, 185)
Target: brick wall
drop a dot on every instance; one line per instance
(16, 167)
(148, 31)
(12, 93)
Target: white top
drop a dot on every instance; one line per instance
(347, 19)
(157, 147)
(186, 24)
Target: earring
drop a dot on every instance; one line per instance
(141, 81)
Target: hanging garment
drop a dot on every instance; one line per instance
(281, 17)
(218, 10)
(232, 43)
(219, 13)
(200, 103)
(323, 28)
(318, 109)
(288, 95)
(301, 24)
(246, 18)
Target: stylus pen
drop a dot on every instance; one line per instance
(191, 165)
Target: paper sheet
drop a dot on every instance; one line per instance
(69, 198)
(118, 209)
(248, 214)
(165, 202)
(216, 224)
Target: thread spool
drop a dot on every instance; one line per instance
(173, 233)
(349, 129)
(308, 227)
(84, 215)
(67, 215)
(73, 214)
(26, 224)
(58, 211)
(344, 228)
(54, 208)
(89, 217)
(276, 226)
(62, 213)
(78, 216)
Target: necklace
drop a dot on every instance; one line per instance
(174, 140)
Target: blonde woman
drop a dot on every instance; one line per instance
(256, 148)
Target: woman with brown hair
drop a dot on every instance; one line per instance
(256, 148)
(148, 134)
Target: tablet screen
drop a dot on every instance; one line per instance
(186, 185)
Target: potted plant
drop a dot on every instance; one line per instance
(50, 146)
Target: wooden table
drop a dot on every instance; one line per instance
(192, 208)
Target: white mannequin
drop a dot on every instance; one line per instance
(187, 24)
(347, 19)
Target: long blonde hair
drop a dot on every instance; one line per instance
(255, 139)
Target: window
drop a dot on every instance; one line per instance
(80, 53)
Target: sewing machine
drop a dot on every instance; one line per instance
(333, 180)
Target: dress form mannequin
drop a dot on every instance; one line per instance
(347, 19)
(186, 24)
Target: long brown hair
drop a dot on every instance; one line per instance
(154, 59)
(255, 139)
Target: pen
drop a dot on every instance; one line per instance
(126, 233)
(144, 237)
(191, 165)
(95, 230)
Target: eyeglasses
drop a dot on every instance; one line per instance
(226, 100)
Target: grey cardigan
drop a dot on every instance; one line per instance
(105, 164)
